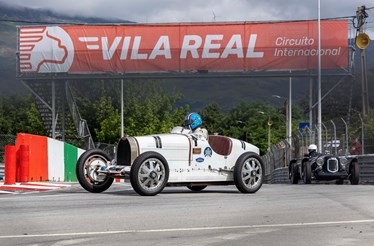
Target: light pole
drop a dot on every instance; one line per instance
(346, 137)
(288, 120)
(335, 143)
(269, 127)
(325, 145)
(362, 135)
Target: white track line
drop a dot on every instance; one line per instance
(191, 229)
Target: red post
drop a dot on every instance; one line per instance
(24, 163)
(10, 165)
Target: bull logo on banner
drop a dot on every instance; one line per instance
(35, 44)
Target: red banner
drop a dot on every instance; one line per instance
(182, 47)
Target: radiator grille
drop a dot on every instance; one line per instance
(332, 165)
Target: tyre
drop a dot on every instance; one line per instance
(354, 176)
(249, 173)
(149, 174)
(294, 174)
(88, 165)
(307, 173)
(196, 188)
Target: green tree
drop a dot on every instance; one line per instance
(213, 118)
(148, 109)
(108, 119)
(34, 122)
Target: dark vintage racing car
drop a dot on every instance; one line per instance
(324, 167)
(177, 159)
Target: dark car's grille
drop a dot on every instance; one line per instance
(332, 165)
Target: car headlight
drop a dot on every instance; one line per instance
(343, 162)
(320, 161)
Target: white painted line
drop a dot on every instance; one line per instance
(39, 187)
(49, 184)
(191, 229)
(5, 192)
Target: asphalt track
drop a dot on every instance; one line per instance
(317, 214)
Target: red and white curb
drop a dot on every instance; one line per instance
(30, 187)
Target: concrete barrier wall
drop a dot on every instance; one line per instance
(48, 159)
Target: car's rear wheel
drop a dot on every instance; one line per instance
(196, 188)
(249, 173)
(87, 171)
(307, 173)
(354, 176)
(149, 174)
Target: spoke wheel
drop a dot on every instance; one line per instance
(88, 165)
(149, 174)
(249, 173)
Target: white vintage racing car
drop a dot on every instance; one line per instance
(177, 159)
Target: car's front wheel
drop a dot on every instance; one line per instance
(354, 176)
(307, 173)
(88, 172)
(249, 173)
(149, 174)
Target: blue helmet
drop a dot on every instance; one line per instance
(192, 121)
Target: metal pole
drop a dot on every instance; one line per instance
(122, 124)
(334, 141)
(319, 77)
(346, 136)
(325, 137)
(269, 133)
(63, 96)
(289, 137)
(311, 101)
(362, 135)
(269, 130)
(364, 83)
(53, 134)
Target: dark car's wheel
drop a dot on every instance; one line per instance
(196, 188)
(149, 174)
(294, 174)
(354, 176)
(307, 173)
(249, 173)
(88, 165)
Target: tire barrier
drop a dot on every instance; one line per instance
(2, 167)
(280, 176)
(366, 168)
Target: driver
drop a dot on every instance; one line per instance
(312, 150)
(193, 121)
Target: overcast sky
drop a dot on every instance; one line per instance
(156, 11)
